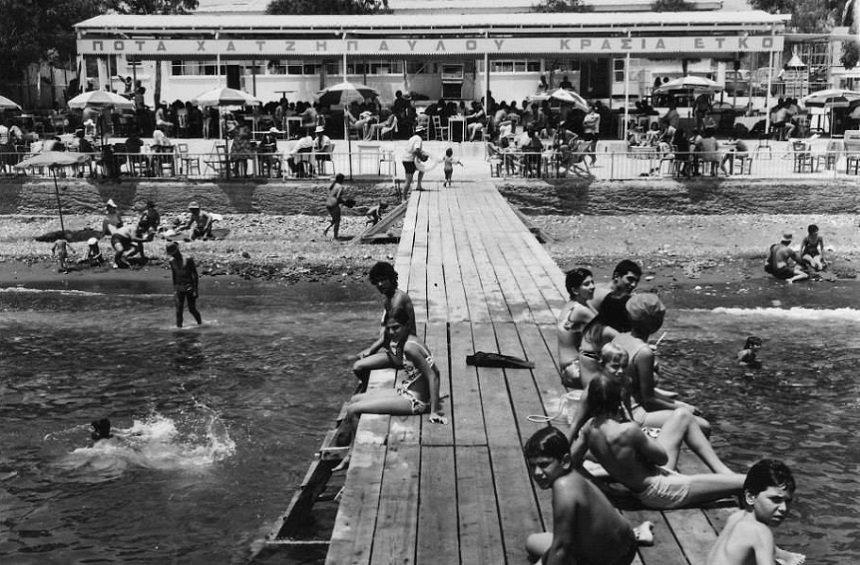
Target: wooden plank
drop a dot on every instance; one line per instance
(438, 537)
(407, 239)
(665, 550)
(518, 507)
(458, 309)
(474, 293)
(466, 407)
(694, 533)
(418, 264)
(478, 517)
(437, 342)
(437, 301)
(397, 518)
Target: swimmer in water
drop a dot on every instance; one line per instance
(101, 429)
(747, 355)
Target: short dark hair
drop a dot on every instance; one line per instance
(812, 228)
(547, 442)
(627, 266)
(380, 271)
(574, 279)
(768, 473)
(171, 247)
(752, 340)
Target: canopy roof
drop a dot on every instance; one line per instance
(450, 23)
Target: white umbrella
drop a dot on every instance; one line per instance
(221, 97)
(100, 99)
(343, 93)
(53, 159)
(6, 104)
(563, 96)
(831, 98)
(689, 83)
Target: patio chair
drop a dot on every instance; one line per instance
(187, 163)
(494, 157)
(804, 160)
(439, 132)
(219, 163)
(851, 143)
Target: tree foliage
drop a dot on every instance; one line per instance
(161, 7)
(850, 49)
(323, 7)
(807, 16)
(671, 6)
(550, 6)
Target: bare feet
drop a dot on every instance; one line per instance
(644, 533)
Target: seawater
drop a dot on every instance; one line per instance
(216, 425)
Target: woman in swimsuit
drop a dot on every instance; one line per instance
(595, 335)
(417, 393)
(574, 316)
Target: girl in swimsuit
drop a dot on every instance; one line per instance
(574, 316)
(417, 393)
(595, 335)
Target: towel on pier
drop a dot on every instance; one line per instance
(484, 359)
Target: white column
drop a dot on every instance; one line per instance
(626, 92)
(103, 78)
(487, 83)
(767, 93)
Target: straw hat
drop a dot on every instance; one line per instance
(319, 129)
(111, 203)
(786, 238)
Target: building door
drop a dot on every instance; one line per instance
(595, 79)
(233, 77)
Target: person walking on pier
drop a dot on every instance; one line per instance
(413, 151)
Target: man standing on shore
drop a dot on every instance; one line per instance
(185, 280)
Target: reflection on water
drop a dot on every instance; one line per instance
(216, 424)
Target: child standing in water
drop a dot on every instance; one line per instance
(448, 162)
(61, 250)
(747, 537)
(747, 355)
(185, 281)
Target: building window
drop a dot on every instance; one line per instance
(618, 70)
(518, 66)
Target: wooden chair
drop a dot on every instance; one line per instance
(187, 163)
(323, 157)
(804, 160)
(494, 157)
(763, 144)
(219, 163)
(851, 142)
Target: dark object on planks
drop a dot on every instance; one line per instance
(70, 236)
(484, 359)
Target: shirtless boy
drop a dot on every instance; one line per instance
(586, 528)
(61, 250)
(644, 465)
(185, 280)
(379, 355)
(782, 261)
(610, 302)
(747, 539)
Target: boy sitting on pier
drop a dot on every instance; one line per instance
(768, 489)
(586, 528)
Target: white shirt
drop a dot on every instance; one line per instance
(4, 135)
(412, 146)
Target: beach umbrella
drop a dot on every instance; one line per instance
(830, 99)
(689, 84)
(52, 160)
(221, 97)
(854, 110)
(6, 104)
(569, 97)
(100, 99)
(343, 93)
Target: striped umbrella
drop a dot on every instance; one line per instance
(6, 104)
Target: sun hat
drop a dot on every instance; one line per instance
(111, 203)
(319, 129)
(194, 206)
(786, 238)
(644, 305)
(273, 129)
(92, 241)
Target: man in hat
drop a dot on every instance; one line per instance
(113, 220)
(412, 151)
(267, 149)
(185, 279)
(201, 221)
(323, 147)
(783, 262)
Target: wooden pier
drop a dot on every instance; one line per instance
(422, 493)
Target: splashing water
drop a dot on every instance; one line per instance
(154, 443)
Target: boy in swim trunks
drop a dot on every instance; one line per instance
(812, 250)
(379, 355)
(185, 280)
(782, 261)
(610, 302)
(747, 537)
(586, 528)
(646, 465)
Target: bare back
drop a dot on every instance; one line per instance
(618, 447)
(741, 540)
